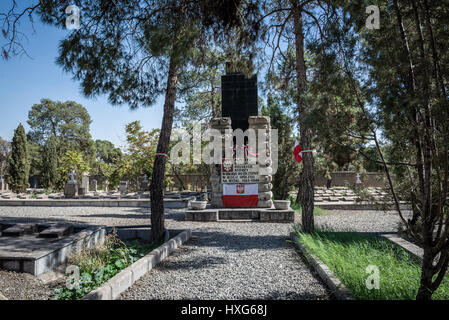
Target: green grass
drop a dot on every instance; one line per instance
(317, 211)
(348, 254)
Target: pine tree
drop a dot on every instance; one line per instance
(19, 165)
(49, 173)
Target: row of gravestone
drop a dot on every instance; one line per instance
(72, 189)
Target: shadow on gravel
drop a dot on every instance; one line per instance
(234, 242)
(43, 220)
(291, 295)
(116, 216)
(195, 263)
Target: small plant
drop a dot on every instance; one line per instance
(98, 265)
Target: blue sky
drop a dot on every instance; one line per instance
(25, 81)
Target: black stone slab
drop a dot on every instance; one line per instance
(239, 99)
(19, 229)
(57, 231)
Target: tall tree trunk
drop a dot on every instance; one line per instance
(157, 181)
(426, 289)
(306, 190)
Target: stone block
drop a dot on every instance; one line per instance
(120, 283)
(57, 231)
(102, 293)
(85, 183)
(11, 265)
(265, 178)
(71, 190)
(265, 196)
(93, 186)
(139, 269)
(264, 204)
(265, 187)
(82, 191)
(258, 120)
(123, 188)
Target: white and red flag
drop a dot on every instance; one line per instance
(298, 153)
(240, 195)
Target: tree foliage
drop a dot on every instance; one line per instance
(50, 174)
(5, 151)
(73, 160)
(19, 166)
(68, 121)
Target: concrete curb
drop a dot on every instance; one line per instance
(411, 248)
(108, 203)
(326, 205)
(112, 289)
(334, 284)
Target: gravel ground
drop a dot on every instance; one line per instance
(221, 261)
(24, 286)
(231, 261)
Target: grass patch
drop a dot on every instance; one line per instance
(98, 265)
(348, 254)
(317, 211)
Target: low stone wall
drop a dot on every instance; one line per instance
(198, 182)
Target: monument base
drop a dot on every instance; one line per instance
(240, 215)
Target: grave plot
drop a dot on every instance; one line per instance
(38, 248)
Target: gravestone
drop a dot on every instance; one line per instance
(239, 182)
(93, 185)
(123, 187)
(71, 187)
(145, 183)
(2, 183)
(85, 183)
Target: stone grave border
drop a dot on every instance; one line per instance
(411, 248)
(115, 286)
(334, 284)
(146, 203)
(41, 261)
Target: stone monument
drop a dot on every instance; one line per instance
(241, 180)
(71, 187)
(145, 182)
(240, 111)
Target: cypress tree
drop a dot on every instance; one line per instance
(19, 165)
(49, 174)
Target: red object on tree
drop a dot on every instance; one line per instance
(297, 152)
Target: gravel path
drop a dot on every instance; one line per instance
(231, 261)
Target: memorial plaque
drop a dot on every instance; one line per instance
(242, 172)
